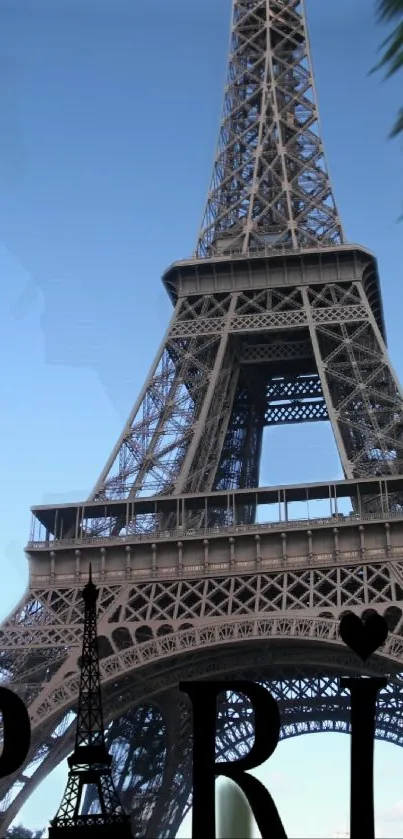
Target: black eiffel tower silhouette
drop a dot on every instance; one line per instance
(90, 763)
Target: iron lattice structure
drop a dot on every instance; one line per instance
(270, 185)
(276, 320)
(90, 763)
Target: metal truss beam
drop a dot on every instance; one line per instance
(188, 432)
(274, 351)
(270, 185)
(295, 399)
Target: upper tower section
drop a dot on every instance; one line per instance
(270, 187)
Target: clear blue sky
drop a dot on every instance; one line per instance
(109, 113)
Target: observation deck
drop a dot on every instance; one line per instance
(296, 526)
(275, 268)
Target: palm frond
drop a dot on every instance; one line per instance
(398, 126)
(392, 58)
(389, 9)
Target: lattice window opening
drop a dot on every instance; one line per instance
(179, 418)
(11, 795)
(143, 523)
(6, 668)
(348, 339)
(93, 527)
(364, 420)
(269, 300)
(384, 454)
(126, 752)
(37, 667)
(379, 585)
(323, 296)
(66, 723)
(384, 418)
(235, 726)
(296, 411)
(217, 517)
(288, 692)
(192, 358)
(366, 392)
(204, 306)
(95, 808)
(31, 614)
(148, 786)
(302, 385)
(139, 725)
(61, 604)
(352, 589)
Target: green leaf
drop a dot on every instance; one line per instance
(392, 46)
(388, 9)
(398, 126)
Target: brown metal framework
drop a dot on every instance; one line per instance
(276, 320)
(270, 185)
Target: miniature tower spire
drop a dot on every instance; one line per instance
(90, 763)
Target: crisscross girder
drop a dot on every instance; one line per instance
(270, 186)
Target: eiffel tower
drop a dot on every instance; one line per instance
(201, 572)
(90, 763)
